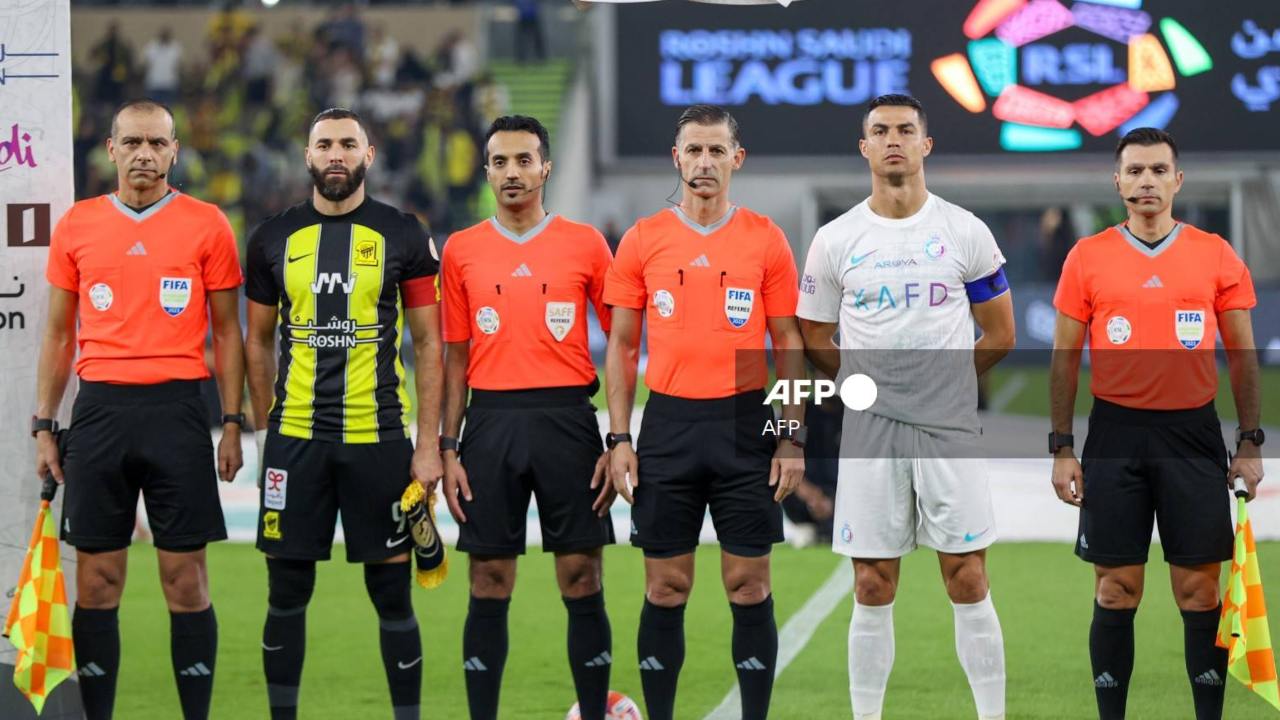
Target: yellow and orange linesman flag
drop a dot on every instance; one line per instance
(38, 624)
(1243, 629)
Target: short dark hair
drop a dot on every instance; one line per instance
(143, 104)
(896, 100)
(709, 115)
(338, 113)
(520, 123)
(1146, 136)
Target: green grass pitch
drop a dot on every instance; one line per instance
(1041, 591)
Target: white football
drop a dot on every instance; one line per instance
(620, 707)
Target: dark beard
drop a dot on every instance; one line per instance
(337, 190)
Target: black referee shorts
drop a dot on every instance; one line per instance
(153, 439)
(699, 453)
(543, 443)
(1166, 465)
(307, 483)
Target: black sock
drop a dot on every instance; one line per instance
(755, 653)
(95, 634)
(193, 645)
(484, 654)
(398, 637)
(590, 653)
(1111, 652)
(284, 645)
(660, 646)
(1206, 662)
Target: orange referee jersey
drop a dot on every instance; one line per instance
(1163, 301)
(522, 302)
(142, 280)
(707, 291)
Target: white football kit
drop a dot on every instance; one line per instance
(910, 471)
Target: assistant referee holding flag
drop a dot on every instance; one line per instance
(1153, 294)
(136, 268)
(710, 278)
(343, 274)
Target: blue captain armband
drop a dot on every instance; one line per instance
(987, 288)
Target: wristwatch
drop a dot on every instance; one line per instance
(449, 443)
(797, 436)
(39, 424)
(1058, 440)
(611, 440)
(237, 418)
(1256, 436)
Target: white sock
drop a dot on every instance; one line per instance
(980, 646)
(870, 658)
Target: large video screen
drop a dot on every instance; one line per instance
(996, 76)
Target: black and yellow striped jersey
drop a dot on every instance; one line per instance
(339, 283)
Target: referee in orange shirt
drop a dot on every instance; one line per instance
(516, 290)
(136, 269)
(1152, 295)
(710, 278)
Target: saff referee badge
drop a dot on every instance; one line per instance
(559, 318)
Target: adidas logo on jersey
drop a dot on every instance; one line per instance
(701, 261)
(475, 665)
(522, 271)
(1209, 678)
(651, 663)
(751, 663)
(1106, 681)
(601, 660)
(197, 670)
(137, 249)
(1154, 282)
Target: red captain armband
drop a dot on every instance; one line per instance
(420, 291)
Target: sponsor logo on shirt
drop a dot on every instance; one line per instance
(912, 295)
(808, 285)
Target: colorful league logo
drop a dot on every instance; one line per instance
(1006, 61)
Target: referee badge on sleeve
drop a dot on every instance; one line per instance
(559, 318)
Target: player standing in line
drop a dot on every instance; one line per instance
(342, 273)
(515, 294)
(903, 276)
(136, 269)
(710, 278)
(1153, 294)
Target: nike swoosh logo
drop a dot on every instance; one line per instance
(296, 259)
(406, 666)
(856, 260)
(393, 543)
(268, 648)
(970, 537)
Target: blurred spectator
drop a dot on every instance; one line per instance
(383, 57)
(529, 30)
(114, 60)
(1057, 235)
(260, 59)
(344, 29)
(163, 59)
(490, 100)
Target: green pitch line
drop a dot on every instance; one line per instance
(1041, 591)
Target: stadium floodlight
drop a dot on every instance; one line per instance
(270, 3)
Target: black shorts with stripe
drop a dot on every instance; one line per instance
(307, 483)
(1145, 467)
(153, 439)
(700, 454)
(542, 443)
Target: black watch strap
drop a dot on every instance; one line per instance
(611, 440)
(237, 418)
(1057, 441)
(39, 425)
(1255, 436)
(449, 443)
